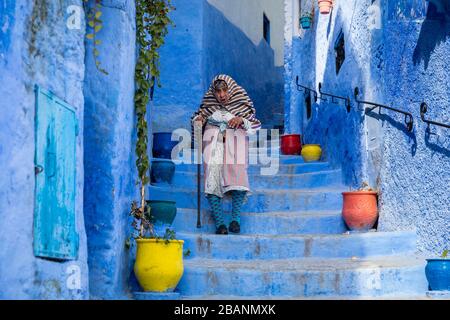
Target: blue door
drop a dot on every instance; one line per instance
(55, 233)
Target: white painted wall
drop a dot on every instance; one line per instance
(248, 16)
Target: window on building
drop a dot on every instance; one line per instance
(266, 28)
(339, 49)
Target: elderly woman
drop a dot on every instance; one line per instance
(227, 116)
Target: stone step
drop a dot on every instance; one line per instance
(330, 178)
(291, 246)
(256, 169)
(255, 159)
(284, 222)
(262, 200)
(375, 277)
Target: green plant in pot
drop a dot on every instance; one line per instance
(437, 272)
(159, 260)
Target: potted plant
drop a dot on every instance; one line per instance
(437, 272)
(360, 209)
(306, 21)
(159, 260)
(162, 172)
(291, 144)
(307, 14)
(311, 152)
(325, 6)
(163, 145)
(161, 211)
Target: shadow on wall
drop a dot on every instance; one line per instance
(395, 123)
(228, 50)
(433, 141)
(339, 133)
(435, 30)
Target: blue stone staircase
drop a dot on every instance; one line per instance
(293, 242)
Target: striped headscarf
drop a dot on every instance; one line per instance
(239, 103)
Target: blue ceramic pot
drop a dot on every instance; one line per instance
(306, 22)
(163, 145)
(162, 172)
(163, 211)
(438, 274)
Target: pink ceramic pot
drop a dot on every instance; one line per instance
(325, 6)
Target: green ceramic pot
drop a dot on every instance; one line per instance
(162, 211)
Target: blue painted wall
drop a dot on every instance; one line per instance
(36, 47)
(228, 50)
(401, 64)
(313, 59)
(110, 174)
(6, 25)
(182, 70)
(415, 172)
(192, 56)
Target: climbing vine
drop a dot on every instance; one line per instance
(95, 25)
(152, 22)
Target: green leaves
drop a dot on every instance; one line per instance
(444, 254)
(152, 21)
(96, 25)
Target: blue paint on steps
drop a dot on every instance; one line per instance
(331, 178)
(256, 169)
(284, 222)
(304, 277)
(293, 241)
(260, 201)
(291, 246)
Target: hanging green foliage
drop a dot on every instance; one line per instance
(152, 22)
(95, 24)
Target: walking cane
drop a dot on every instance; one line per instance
(198, 138)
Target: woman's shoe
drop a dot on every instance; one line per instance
(235, 227)
(222, 229)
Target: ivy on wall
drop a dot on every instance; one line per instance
(152, 22)
(95, 24)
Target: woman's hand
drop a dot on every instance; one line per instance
(200, 119)
(235, 122)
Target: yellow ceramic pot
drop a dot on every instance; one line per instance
(159, 265)
(311, 152)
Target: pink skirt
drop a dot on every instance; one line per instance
(233, 163)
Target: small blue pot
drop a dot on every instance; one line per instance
(306, 22)
(438, 274)
(163, 145)
(162, 172)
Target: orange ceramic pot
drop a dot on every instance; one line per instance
(360, 210)
(325, 6)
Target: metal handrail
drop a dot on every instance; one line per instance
(409, 120)
(346, 99)
(423, 110)
(307, 89)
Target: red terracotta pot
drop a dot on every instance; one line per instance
(359, 210)
(291, 144)
(325, 6)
